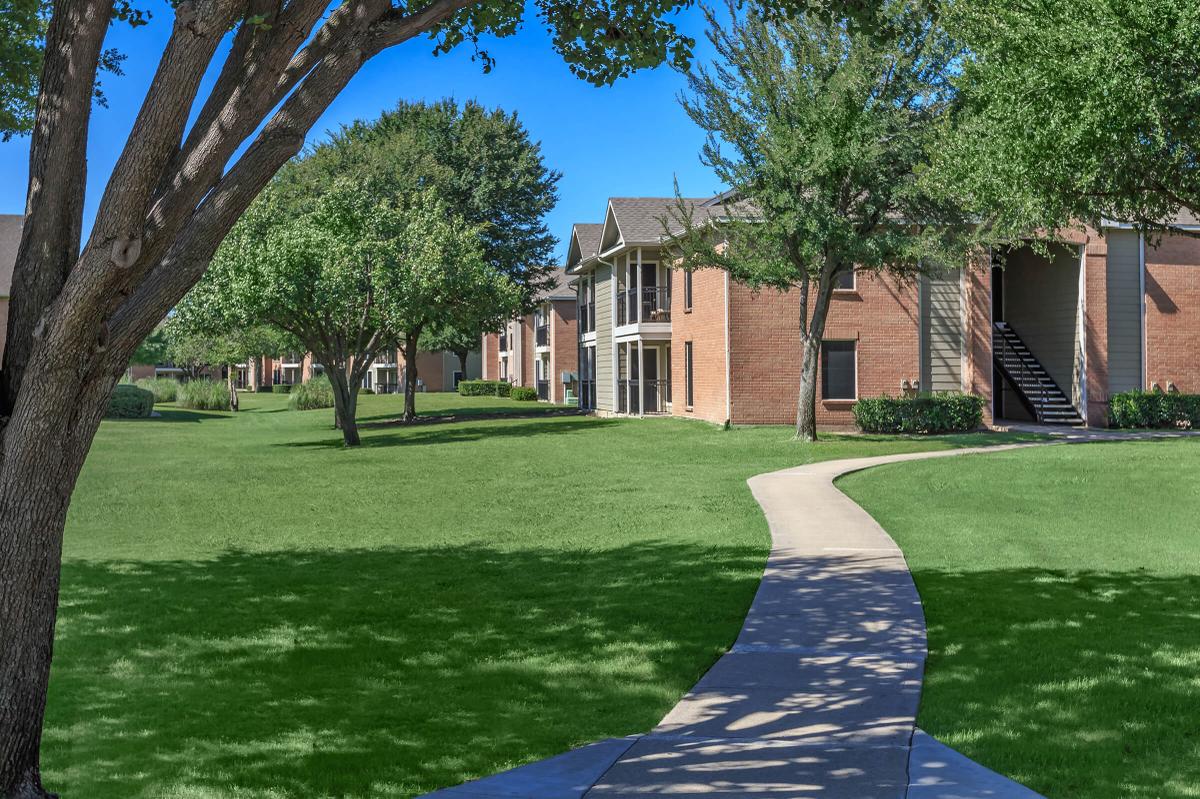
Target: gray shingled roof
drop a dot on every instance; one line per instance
(561, 289)
(587, 234)
(10, 240)
(640, 219)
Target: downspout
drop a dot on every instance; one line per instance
(728, 393)
(1142, 305)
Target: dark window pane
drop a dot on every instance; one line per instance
(837, 370)
(687, 370)
(845, 281)
(687, 290)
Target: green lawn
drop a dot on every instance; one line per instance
(1062, 591)
(250, 610)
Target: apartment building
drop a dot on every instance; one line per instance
(540, 349)
(436, 371)
(1043, 336)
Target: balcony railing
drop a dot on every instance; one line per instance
(652, 304)
(388, 388)
(541, 335)
(643, 396)
(543, 389)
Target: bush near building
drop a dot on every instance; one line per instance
(281, 388)
(925, 414)
(484, 388)
(1154, 409)
(203, 395)
(316, 393)
(523, 393)
(164, 389)
(130, 402)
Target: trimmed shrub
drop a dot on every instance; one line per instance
(484, 388)
(203, 395)
(366, 391)
(281, 388)
(130, 402)
(266, 388)
(164, 389)
(316, 393)
(925, 414)
(523, 393)
(1154, 409)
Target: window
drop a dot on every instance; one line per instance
(689, 392)
(844, 282)
(838, 370)
(687, 290)
(504, 368)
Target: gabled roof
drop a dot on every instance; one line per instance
(10, 240)
(638, 221)
(585, 243)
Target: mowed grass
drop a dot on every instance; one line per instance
(251, 610)
(1062, 591)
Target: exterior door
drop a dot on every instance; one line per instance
(650, 398)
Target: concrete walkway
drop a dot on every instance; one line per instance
(818, 697)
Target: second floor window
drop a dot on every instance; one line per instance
(687, 290)
(688, 369)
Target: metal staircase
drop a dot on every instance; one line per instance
(1038, 392)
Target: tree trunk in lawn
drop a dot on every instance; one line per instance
(810, 339)
(345, 401)
(410, 376)
(462, 363)
(231, 382)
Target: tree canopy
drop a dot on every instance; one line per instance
(1076, 110)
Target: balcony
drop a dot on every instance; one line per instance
(543, 390)
(643, 397)
(504, 342)
(541, 335)
(587, 317)
(651, 304)
(587, 394)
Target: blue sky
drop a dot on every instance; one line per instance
(631, 139)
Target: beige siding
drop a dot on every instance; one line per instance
(604, 348)
(941, 331)
(1124, 311)
(1041, 302)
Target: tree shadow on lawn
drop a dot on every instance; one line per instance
(424, 434)
(1080, 685)
(373, 673)
(524, 409)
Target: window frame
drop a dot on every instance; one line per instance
(854, 372)
(853, 273)
(687, 291)
(689, 371)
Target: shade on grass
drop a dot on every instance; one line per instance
(1062, 591)
(251, 610)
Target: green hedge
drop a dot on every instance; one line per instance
(203, 395)
(316, 393)
(164, 389)
(484, 388)
(281, 388)
(1154, 409)
(523, 393)
(927, 413)
(130, 402)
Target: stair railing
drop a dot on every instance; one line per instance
(1038, 398)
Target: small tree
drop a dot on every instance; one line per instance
(437, 279)
(460, 340)
(153, 348)
(820, 126)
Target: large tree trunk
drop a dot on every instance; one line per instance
(231, 381)
(345, 402)
(410, 376)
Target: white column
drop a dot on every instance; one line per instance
(641, 363)
(639, 301)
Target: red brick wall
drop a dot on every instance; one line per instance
(491, 356)
(880, 315)
(704, 326)
(978, 332)
(429, 369)
(1173, 313)
(1095, 327)
(564, 346)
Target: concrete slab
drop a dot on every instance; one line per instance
(566, 776)
(657, 766)
(850, 674)
(938, 772)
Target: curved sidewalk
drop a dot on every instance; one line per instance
(818, 696)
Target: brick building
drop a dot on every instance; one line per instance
(1041, 336)
(540, 349)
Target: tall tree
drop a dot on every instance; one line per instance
(79, 309)
(458, 339)
(819, 127)
(1075, 111)
(482, 163)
